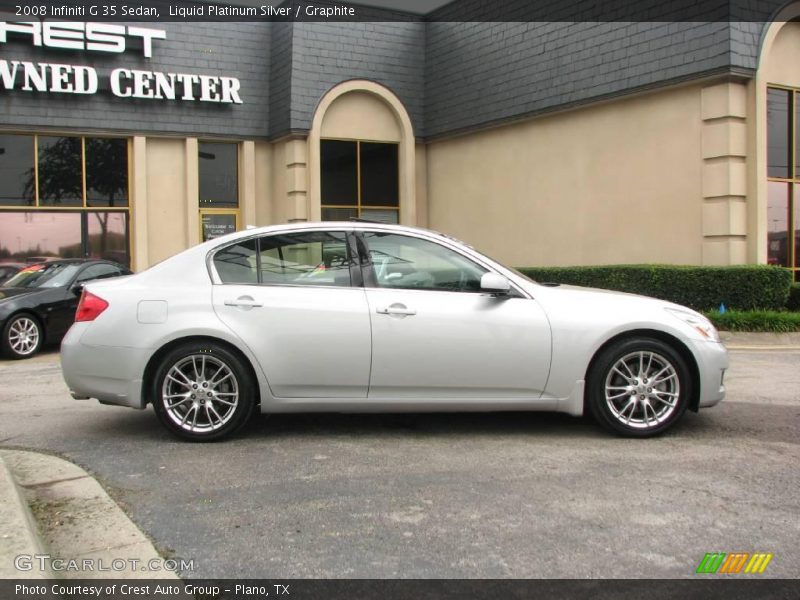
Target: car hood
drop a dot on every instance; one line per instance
(581, 302)
(604, 296)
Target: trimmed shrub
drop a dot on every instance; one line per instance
(745, 287)
(794, 297)
(778, 322)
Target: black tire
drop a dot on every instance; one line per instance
(198, 412)
(23, 337)
(631, 407)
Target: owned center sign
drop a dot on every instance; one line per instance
(57, 78)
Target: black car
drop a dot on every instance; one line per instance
(37, 305)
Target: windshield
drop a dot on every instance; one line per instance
(48, 275)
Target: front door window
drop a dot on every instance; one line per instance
(406, 262)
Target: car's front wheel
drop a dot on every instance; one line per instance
(22, 337)
(202, 392)
(639, 387)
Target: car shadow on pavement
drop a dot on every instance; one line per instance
(425, 425)
(772, 423)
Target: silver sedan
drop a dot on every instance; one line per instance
(363, 317)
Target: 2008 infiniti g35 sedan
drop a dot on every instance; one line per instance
(365, 317)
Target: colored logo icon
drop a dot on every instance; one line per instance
(734, 563)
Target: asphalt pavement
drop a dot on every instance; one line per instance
(442, 496)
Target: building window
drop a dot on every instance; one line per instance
(218, 188)
(783, 174)
(359, 179)
(74, 192)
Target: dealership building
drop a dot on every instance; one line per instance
(539, 142)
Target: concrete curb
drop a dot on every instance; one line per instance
(76, 521)
(18, 531)
(743, 340)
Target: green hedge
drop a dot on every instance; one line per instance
(769, 320)
(745, 287)
(794, 297)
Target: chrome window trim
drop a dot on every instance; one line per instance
(217, 280)
(346, 227)
(449, 243)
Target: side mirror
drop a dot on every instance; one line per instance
(495, 284)
(77, 289)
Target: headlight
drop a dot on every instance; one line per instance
(698, 322)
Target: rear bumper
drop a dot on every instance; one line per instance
(112, 374)
(712, 362)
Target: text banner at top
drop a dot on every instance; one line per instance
(753, 11)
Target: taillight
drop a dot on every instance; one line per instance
(90, 307)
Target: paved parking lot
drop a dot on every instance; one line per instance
(504, 495)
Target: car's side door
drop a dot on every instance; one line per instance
(436, 336)
(295, 299)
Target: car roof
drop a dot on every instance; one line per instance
(360, 225)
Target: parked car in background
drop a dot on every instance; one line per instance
(363, 317)
(37, 304)
(8, 270)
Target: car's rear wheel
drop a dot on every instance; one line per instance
(22, 337)
(639, 387)
(202, 392)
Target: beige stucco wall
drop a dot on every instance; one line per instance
(360, 116)
(615, 183)
(166, 198)
(164, 191)
(780, 62)
(263, 182)
(421, 154)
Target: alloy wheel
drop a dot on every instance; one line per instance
(642, 389)
(200, 393)
(23, 336)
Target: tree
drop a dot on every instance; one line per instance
(59, 173)
(61, 176)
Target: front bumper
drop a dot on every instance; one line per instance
(112, 374)
(712, 362)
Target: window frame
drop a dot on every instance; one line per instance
(235, 212)
(85, 207)
(371, 280)
(792, 182)
(237, 192)
(215, 209)
(359, 207)
(355, 269)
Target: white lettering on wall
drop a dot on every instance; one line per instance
(74, 35)
(59, 78)
(45, 77)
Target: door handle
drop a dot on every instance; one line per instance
(396, 309)
(243, 302)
